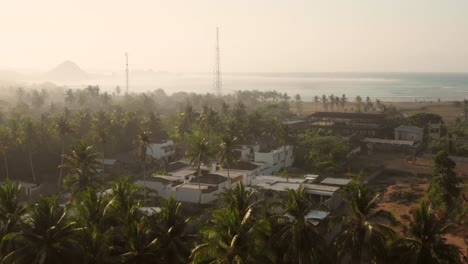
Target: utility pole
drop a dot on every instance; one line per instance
(217, 70)
(126, 71)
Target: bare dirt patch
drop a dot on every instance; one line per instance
(401, 191)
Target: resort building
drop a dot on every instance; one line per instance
(347, 124)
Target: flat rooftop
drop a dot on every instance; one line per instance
(193, 186)
(336, 181)
(210, 179)
(271, 179)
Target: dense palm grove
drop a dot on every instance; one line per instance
(103, 222)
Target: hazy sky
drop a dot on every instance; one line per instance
(256, 35)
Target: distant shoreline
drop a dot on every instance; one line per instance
(447, 109)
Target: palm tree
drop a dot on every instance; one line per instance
(63, 128)
(142, 246)
(5, 143)
(316, 100)
(297, 239)
(233, 237)
(425, 243)
(227, 155)
(47, 236)
(83, 165)
(332, 101)
(361, 236)
(358, 101)
(11, 211)
(186, 120)
(170, 228)
(93, 215)
(298, 104)
(29, 139)
(343, 101)
(100, 125)
(209, 120)
(199, 152)
(123, 201)
(238, 198)
(142, 142)
(324, 102)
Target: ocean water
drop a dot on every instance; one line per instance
(383, 86)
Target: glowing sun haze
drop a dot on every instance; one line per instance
(256, 36)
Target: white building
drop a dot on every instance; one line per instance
(248, 170)
(409, 133)
(276, 183)
(207, 187)
(161, 150)
(247, 152)
(162, 185)
(274, 160)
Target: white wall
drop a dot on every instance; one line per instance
(161, 150)
(192, 195)
(163, 190)
(274, 160)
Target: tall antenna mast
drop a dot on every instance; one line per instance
(126, 71)
(217, 70)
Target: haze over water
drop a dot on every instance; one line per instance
(384, 86)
